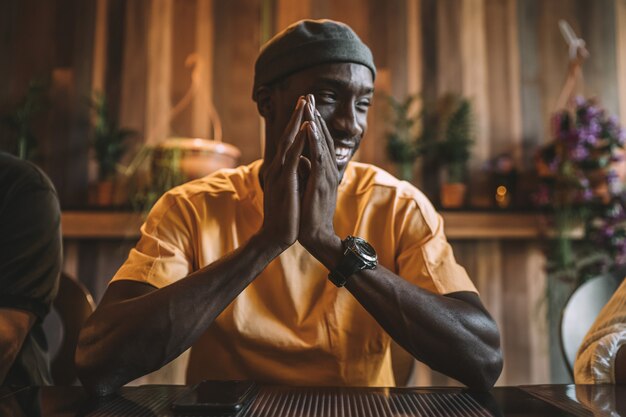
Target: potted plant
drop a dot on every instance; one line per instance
(156, 169)
(109, 144)
(21, 120)
(402, 145)
(447, 140)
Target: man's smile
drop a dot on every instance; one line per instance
(342, 154)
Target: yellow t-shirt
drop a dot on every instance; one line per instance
(291, 325)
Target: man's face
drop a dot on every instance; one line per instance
(343, 93)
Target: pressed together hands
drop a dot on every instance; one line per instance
(300, 187)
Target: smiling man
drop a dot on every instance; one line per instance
(299, 268)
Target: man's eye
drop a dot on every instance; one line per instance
(326, 96)
(364, 104)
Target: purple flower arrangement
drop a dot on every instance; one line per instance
(581, 173)
(577, 167)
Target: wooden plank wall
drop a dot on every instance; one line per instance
(506, 55)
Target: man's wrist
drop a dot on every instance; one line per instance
(267, 247)
(328, 252)
(358, 255)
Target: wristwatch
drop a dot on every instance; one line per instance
(357, 256)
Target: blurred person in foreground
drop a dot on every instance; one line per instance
(298, 268)
(30, 263)
(601, 358)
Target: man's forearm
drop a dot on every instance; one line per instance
(130, 338)
(448, 333)
(452, 334)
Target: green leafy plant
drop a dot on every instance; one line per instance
(109, 141)
(401, 143)
(20, 121)
(447, 135)
(151, 173)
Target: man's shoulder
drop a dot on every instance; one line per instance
(237, 183)
(362, 178)
(373, 187)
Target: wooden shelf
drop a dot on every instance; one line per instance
(458, 225)
(101, 224)
(493, 225)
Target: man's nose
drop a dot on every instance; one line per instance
(345, 121)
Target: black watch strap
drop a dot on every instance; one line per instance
(347, 266)
(357, 255)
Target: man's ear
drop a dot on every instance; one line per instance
(264, 102)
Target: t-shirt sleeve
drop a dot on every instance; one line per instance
(164, 253)
(31, 249)
(424, 255)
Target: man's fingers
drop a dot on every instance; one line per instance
(294, 152)
(309, 111)
(328, 138)
(292, 129)
(304, 169)
(330, 144)
(312, 114)
(296, 119)
(315, 144)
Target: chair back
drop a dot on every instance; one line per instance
(580, 311)
(70, 309)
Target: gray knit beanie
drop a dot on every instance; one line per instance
(308, 43)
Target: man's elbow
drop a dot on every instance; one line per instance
(98, 387)
(92, 370)
(489, 358)
(95, 382)
(488, 368)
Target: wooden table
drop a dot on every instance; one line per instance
(277, 401)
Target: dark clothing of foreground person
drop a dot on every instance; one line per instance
(30, 263)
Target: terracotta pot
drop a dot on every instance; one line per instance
(197, 157)
(104, 193)
(453, 195)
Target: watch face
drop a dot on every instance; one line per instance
(365, 250)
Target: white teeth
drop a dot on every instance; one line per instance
(342, 152)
